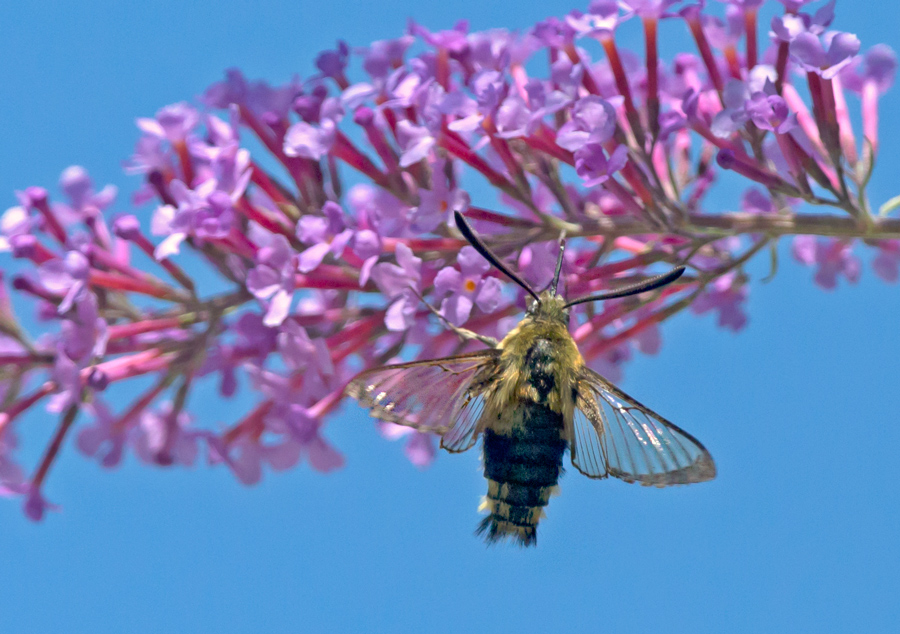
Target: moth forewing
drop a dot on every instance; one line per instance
(427, 395)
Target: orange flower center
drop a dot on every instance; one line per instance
(470, 285)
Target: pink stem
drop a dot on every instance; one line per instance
(115, 282)
(804, 118)
(344, 150)
(8, 415)
(615, 63)
(870, 114)
(184, 158)
(696, 27)
(848, 140)
(750, 16)
(652, 53)
(53, 449)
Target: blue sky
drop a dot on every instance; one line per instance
(798, 532)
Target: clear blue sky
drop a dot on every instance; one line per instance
(798, 533)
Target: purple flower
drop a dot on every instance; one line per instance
(221, 359)
(247, 455)
(100, 439)
(420, 448)
(272, 280)
(609, 363)
(306, 431)
(592, 165)
(271, 104)
(226, 165)
(327, 235)
(383, 56)
(35, 503)
(415, 141)
(490, 89)
(150, 156)
(756, 201)
(603, 17)
(788, 26)
(887, 263)
(725, 296)
(537, 262)
(453, 39)
(294, 423)
(834, 257)
(66, 375)
(164, 438)
(378, 210)
(649, 8)
(795, 5)
(770, 112)
(84, 333)
(810, 52)
(309, 141)
(398, 282)
(253, 335)
(878, 66)
(333, 62)
(436, 205)
(762, 105)
(649, 340)
(204, 212)
(67, 277)
(15, 222)
(515, 118)
(593, 121)
(84, 203)
(743, 4)
(466, 287)
(11, 474)
(174, 123)
(300, 352)
(725, 34)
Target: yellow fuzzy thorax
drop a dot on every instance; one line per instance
(547, 320)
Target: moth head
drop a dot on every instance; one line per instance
(550, 305)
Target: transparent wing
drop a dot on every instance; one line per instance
(584, 440)
(442, 396)
(637, 445)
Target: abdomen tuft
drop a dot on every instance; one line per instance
(522, 469)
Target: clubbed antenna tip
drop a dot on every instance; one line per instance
(634, 289)
(470, 235)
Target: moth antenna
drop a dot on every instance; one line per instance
(633, 289)
(559, 262)
(470, 235)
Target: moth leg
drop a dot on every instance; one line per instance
(463, 333)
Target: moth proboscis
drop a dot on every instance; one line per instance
(531, 397)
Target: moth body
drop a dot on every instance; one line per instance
(531, 398)
(524, 432)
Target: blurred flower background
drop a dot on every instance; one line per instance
(275, 237)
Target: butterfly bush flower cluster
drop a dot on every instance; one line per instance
(284, 237)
